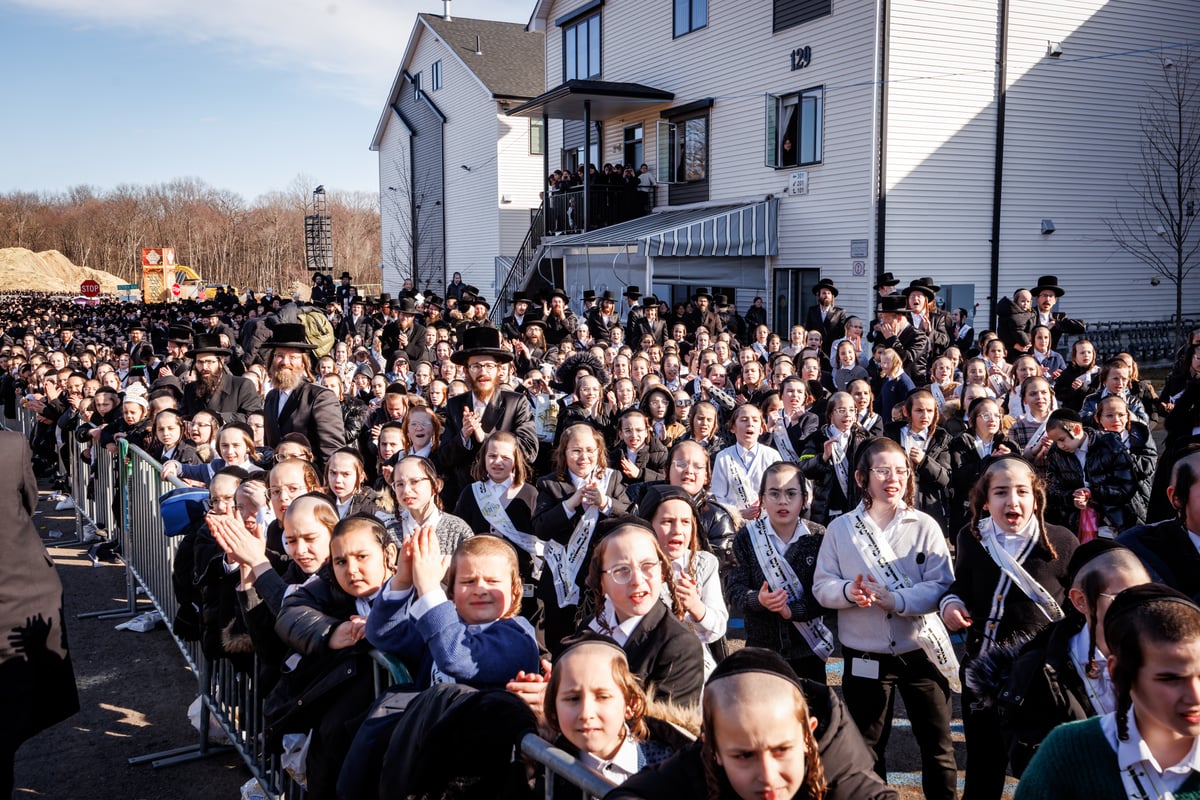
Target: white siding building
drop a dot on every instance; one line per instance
(458, 177)
(918, 129)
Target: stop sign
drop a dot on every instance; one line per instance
(176, 289)
(89, 289)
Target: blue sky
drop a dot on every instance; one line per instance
(243, 94)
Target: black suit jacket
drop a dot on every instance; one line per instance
(667, 657)
(1168, 554)
(234, 399)
(507, 411)
(312, 410)
(831, 328)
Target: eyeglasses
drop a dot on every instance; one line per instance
(886, 473)
(694, 466)
(683, 402)
(623, 573)
(483, 366)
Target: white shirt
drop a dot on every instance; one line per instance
(621, 631)
(1102, 682)
(1134, 752)
(621, 767)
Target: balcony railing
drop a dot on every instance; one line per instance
(607, 205)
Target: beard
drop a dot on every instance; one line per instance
(287, 378)
(206, 385)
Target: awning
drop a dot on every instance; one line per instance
(744, 229)
(608, 99)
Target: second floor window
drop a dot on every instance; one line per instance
(581, 49)
(690, 15)
(683, 150)
(436, 74)
(795, 124)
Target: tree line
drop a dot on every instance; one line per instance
(214, 231)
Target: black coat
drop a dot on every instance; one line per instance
(1168, 554)
(666, 656)
(235, 399)
(933, 473)
(828, 498)
(651, 461)
(312, 410)
(1110, 478)
(847, 761)
(506, 411)
(965, 468)
(831, 328)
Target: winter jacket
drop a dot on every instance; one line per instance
(847, 762)
(1168, 554)
(828, 499)
(1109, 476)
(932, 474)
(965, 468)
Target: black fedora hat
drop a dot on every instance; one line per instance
(208, 344)
(480, 300)
(290, 335)
(520, 297)
(607, 297)
(589, 295)
(1048, 283)
(924, 285)
(345, 276)
(720, 300)
(887, 279)
(892, 304)
(566, 298)
(701, 293)
(824, 283)
(536, 322)
(481, 341)
(633, 292)
(650, 301)
(405, 305)
(180, 334)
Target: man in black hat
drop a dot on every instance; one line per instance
(702, 314)
(603, 318)
(410, 334)
(510, 326)
(357, 323)
(216, 388)
(1046, 294)
(589, 301)
(69, 344)
(825, 317)
(731, 321)
(344, 292)
(211, 322)
(297, 404)
(646, 323)
(321, 294)
(178, 363)
(140, 351)
(887, 284)
(471, 416)
(898, 333)
(921, 297)
(633, 309)
(561, 322)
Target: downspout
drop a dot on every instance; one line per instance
(998, 172)
(881, 190)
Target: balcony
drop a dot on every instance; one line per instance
(605, 205)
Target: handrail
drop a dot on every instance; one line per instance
(519, 271)
(559, 762)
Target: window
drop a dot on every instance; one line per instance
(536, 133)
(683, 150)
(435, 74)
(581, 49)
(790, 13)
(417, 86)
(690, 15)
(794, 128)
(634, 149)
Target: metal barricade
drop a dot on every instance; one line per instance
(556, 761)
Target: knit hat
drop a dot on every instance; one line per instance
(755, 659)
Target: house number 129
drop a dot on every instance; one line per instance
(801, 58)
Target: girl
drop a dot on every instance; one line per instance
(1029, 431)
(970, 452)
(1075, 382)
(975, 373)
(417, 489)
(738, 470)
(1147, 746)
(704, 428)
(331, 682)
(799, 422)
(772, 583)
(884, 567)
(1011, 576)
(999, 371)
(864, 407)
(688, 468)
(474, 637)
(895, 386)
(828, 460)
(501, 502)
(627, 575)
(942, 383)
(588, 407)
(570, 504)
(672, 515)
(598, 710)
(1112, 415)
(203, 431)
(345, 475)
(658, 405)
(422, 432)
(1049, 361)
(847, 367)
(928, 448)
(168, 434)
(1116, 378)
(1023, 368)
(235, 445)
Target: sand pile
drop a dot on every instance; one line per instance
(49, 271)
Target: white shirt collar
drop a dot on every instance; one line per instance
(621, 631)
(1134, 751)
(622, 766)
(1102, 682)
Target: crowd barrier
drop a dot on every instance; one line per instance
(116, 495)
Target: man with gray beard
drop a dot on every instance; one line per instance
(296, 404)
(216, 388)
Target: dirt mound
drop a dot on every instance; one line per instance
(48, 271)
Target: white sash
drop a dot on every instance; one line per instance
(498, 518)
(782, 442)
(869, 420)
(939, 397)
(565, 563)
(881, 560)
(1012, 573)
(780, 575)
(739, 479)
(841, 464)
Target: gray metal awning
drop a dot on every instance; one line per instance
(743, 229)
(608, 99)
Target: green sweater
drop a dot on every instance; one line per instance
(1076, 762)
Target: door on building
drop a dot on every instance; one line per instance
(792, 298)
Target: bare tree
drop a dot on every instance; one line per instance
(414, 245)
(1159, 230)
